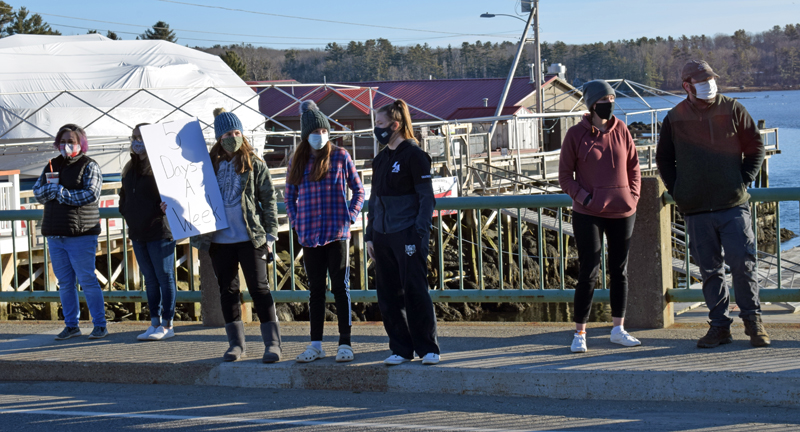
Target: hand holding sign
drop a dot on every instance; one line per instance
(185, 177)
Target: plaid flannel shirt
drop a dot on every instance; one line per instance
(92, 184)
(319, 211)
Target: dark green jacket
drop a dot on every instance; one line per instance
(708, 156)
(259, 207)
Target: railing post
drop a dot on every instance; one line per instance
(650, 261)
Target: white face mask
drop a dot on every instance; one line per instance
(317, 141)
(706, 90)
(70, 150)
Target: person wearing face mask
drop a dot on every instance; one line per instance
(252, 213)
(144, 212)
(400, 211)
(709, 151)
(599, 170)
(69, 188)
(317, 180)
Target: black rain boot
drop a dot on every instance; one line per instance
(235, 331)
(271, 332)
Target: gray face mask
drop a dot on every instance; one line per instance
(232, 144)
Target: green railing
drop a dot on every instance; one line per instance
(538, 210)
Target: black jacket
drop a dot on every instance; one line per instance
(66, 220)
(402, 192)
(139, 203)
(708, 156)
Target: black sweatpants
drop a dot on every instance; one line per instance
(589, 232)
(226, 259)
(334, 259)
(401, 279)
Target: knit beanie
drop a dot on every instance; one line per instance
(593, 91)
(225, 122)
(311, 119)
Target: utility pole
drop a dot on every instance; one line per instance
(533, 15)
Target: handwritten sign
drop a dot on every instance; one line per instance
(185, 177)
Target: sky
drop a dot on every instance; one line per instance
(314, 23)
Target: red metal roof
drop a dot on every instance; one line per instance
(438, 97)
(478, 112)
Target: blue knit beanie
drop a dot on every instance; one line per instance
(593, 91)
(225, 122)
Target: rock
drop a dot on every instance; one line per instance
(283, 312)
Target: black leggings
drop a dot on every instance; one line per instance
(226, 259)
(332, 258)
(589, 239)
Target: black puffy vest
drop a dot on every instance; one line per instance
(66, 220)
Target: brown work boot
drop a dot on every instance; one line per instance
(754, 328)
(715, 337)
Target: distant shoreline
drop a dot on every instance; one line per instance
(745, 90)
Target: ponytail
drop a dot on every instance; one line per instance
(397, 111)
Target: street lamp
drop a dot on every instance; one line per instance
(488, 15)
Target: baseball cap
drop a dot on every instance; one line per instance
(697, 69)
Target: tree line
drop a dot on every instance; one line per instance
(766, 59)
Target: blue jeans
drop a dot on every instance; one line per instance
(157, 261)
(729, 230)
(73, 261)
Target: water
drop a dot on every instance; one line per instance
(780, 109)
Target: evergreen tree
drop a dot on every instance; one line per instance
(160, 31)
(113, 36)
(235, 63)
(24, 23)
(6, 16)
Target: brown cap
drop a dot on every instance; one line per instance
(697, 69)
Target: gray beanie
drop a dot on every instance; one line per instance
(311, 119)
(593, 91)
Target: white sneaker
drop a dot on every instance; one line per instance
(625, 339)
(579, 343)
(430, 359)
(146, 334)
(394, 360)
(161, 333)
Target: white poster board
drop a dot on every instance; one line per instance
(185, 177)
(443, 187)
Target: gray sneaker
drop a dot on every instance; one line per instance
(98, 333)
(68, 332)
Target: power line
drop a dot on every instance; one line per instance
(323, 20)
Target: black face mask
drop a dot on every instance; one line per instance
(604, 110)
(384, 135)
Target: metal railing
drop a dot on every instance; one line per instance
(533, 213)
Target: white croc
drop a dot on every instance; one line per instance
(345, 354)
(310, 354)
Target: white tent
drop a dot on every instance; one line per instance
(107, 87)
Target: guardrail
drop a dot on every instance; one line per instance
(539, 212)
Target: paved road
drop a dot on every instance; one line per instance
(86, 407)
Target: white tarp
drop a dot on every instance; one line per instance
(99, 75)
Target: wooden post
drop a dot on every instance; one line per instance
(472, 244)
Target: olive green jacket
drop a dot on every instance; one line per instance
(259, 206)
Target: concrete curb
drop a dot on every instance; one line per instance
(737, 387)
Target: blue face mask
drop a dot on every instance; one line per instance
(317, 141)
(138, 147)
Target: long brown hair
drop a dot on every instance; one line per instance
(302, 153)
(242, 159)
(397, 111)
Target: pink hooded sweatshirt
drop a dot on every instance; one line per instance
(604, 164)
